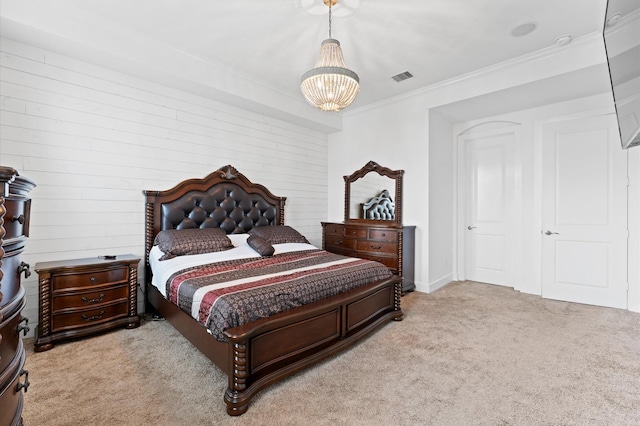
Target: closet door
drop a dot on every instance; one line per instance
(584, 212)
(489, 199)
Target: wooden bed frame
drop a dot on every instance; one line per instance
(265, 351)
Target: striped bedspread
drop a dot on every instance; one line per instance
(226, 294)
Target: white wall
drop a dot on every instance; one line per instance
(92, 139)
(441, 201)
(634, 229)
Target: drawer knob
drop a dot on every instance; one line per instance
(96, 300)
(18, 219)
(94, 317)
(339, 243)
(375, 247)
(93, 279)
(24, 267)
(24, 328)
(26, 383)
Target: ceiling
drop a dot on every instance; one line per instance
(270, 44)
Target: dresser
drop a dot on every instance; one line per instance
(15, 206)
(83, 297)
(383, 241)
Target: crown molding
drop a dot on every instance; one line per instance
(550, 53)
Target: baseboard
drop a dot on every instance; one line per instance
(438, 284)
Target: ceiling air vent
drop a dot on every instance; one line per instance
(402, 76)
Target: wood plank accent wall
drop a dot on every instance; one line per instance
(92, 139)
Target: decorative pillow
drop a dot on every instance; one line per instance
(260, 245)
(278, 234)
(181, 242)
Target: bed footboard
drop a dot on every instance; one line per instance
(266, 351)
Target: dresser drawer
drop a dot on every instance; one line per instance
(16, 219)
(11, 398)
(334, 229)
(355, 232)
(389, 262)
(339, 242)
(91, 298)
(74, 319)
(9, 339)
(90, 279)
(10, 284)
(377, 247)
(383, 235)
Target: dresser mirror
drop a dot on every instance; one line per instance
(373, 193)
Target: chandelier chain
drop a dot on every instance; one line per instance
(330, 18)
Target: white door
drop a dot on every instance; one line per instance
(584, 212)
(488, 227)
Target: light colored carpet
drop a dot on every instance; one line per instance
(468, 354)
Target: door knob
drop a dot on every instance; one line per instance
(471, 227)
(551, 233)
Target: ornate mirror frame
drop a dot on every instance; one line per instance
(370, 167)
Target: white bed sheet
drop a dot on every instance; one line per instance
(163, 269)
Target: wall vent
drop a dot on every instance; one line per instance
(402, 76)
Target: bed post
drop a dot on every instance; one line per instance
(397, 295)
(236, 403)
(148, 243)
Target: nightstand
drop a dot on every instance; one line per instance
(82, 297)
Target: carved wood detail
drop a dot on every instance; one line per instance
(133, 291)
(44, 323)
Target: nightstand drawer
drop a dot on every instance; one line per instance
(89, 299)
(77, 318)
(90, 279)
(381, 234)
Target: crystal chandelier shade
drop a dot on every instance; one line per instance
(330, 86)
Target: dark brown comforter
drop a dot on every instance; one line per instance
(260, 287)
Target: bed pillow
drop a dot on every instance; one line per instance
(181, 242)
(238, 240)
(260, 245)
(278, 234)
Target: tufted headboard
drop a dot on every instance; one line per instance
(380, 207)
(224, 199)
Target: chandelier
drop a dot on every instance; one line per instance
(330, 86)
